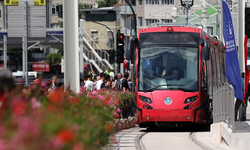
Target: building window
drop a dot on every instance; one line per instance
(166, 20)
(210, 30)
(153, 2)
(167, 2)
(140, 2)
(55, 25)
(94, 35)
(0, 14)
(151, 21)
(140, 21)
(54, 9)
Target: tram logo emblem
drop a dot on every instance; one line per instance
(168, 101)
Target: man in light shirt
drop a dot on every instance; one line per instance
(53, 80)
(89, 84)
(99, 82)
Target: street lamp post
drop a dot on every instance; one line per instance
(187, 4)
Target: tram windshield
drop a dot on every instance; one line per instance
(169, 66)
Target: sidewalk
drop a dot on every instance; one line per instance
(204, 140)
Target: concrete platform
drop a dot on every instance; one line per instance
(240, 139)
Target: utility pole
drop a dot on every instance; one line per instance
(71, 45)
(204, 16)
(5, 39)
(81, 49)
(220, 21)
(241, 33)
(25, 43)
(5, 51)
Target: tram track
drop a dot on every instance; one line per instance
(193, 139)
(140, 146)
(138, 143)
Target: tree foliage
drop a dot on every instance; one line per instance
(16, 55)
(106, 3)
(53, 58)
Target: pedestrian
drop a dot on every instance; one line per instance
(130, 84)
(89, 83)
(49, 84)
(99, 82)
(106, 78)
(123, 83)
(112, 73)
(108, 85)
(239, 101)
(6, 81)
(53, 80)
(107, 71)
(115, 83)
(93, 75)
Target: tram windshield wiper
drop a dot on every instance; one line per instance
(152, 89)
(186, 90)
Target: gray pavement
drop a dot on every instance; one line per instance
(127, 139)
(139, 139)
(171, 141)
(206, 142)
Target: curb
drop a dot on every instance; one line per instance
(138, 143)
(192, 138)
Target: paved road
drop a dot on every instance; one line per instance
(186, 138)
(171, 141)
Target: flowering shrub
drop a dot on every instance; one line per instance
(58, 120)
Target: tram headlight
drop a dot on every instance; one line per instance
(145, 99)
(191, 99)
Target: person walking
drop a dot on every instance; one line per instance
(53, 80)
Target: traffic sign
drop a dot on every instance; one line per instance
(50, 33)
(3, 33)
(39, 2)
(11, 2)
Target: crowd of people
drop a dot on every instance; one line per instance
(107, 80)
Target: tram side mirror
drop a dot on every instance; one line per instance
(133, 42)
(202, 42)
(206, 53)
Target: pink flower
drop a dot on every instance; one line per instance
(57, 143)
(118, 110)
(35, 104)
(101, 97)
(77, 147)
(80, 93)
(94, 92)
(114, 113)
(43, 84)
(2, 131)
(3, 145)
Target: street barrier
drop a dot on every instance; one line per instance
(223, 105)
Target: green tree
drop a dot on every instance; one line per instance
(53, 58)
(16, 55)
(106, 3)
